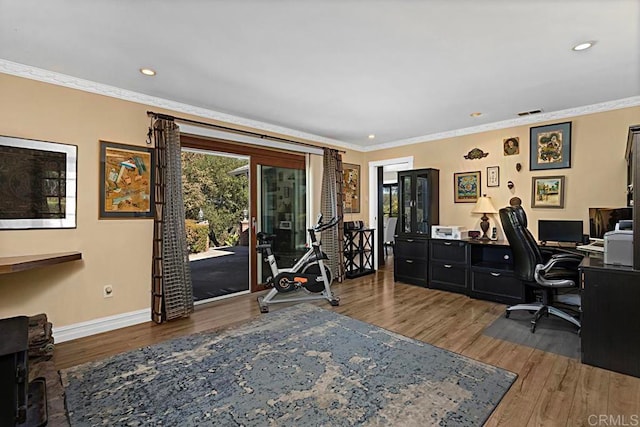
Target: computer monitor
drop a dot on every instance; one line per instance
(602, 220)
(559, 231)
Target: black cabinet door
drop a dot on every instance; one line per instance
(419, 209)
(610, 322)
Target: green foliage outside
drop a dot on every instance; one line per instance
(197, 235)
(207, 185)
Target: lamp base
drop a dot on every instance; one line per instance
(484, 226)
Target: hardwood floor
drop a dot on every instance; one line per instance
(550, 390)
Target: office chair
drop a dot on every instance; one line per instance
(389, 234)
(545, 275)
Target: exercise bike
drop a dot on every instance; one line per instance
(309, 274)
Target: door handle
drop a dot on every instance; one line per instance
(409, 240)
(447, 243)
(496, 274)
(408, 261)
(253, 223)
(448, 266)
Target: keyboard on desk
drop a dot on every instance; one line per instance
(596, 246)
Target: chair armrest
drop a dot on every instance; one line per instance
(562, 259)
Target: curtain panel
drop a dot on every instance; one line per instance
(331, 206)
(172, 295)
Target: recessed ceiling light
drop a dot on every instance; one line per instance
(147, 71)
(583, 46)
(476, 114)
(372, 136)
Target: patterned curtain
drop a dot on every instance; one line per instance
(331, 206)
(172, 292)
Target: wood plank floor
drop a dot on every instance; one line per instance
(550, 390)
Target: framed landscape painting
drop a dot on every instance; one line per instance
(126, 185)
(547, 192)
(466, 187)
(550, 146)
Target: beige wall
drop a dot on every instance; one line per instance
(597, 177)
(118, 252)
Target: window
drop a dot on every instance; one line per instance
(390, 200)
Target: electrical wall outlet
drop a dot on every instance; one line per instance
(107, 291)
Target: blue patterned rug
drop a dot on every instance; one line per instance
(299, 366)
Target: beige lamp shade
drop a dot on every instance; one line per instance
(484, 206)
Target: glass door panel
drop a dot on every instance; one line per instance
(407, 202)
(422, 205)
(282, 212)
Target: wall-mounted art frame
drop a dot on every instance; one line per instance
(126, 181)
(466, 187)
(511, 146)
(351, 187)
(547, 192)
(39, 182)
(493, 176)
(550, 146)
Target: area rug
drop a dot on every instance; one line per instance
(298, 366)
(552, 334)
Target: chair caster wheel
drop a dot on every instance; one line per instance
(335, 302)
(507, 313)
(264, 310)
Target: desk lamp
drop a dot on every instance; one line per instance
(484, 206)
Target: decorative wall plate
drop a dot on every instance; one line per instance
(476, 153)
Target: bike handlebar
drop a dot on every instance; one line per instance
(321, 227)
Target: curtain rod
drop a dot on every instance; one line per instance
(244, 132)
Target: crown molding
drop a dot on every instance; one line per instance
(39, 74)
(34, 73)
(633, 101)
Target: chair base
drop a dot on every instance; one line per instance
(540, 310)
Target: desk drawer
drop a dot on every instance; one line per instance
(448, 277)
(413, 271)
(499, 286)
(451, 251)
(411, 248)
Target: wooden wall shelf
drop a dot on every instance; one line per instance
(28, 262)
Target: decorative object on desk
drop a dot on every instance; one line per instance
(238, 376)
(510, 185)
(493, 176)
(351, 186)
(126, 183)
(484, 206)
(466, 187)
(550, 146)
(474, 234)
(476, 153)
(38, 184)
(511, 146)
(518, 167)
(547, 192)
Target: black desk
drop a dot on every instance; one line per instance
(610, 320)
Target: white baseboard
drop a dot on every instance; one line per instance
(104, 324)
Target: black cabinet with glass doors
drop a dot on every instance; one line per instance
(418, 192)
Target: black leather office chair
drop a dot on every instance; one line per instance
(546, 274)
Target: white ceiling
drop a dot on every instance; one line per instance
(341, 70)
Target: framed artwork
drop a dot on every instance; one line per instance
(511, 146)
(466, 187)
(351, 187)
(550, 146)
(126, 181)
(493, 176)
(547, 192)
(38, 184)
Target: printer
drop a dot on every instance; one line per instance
(618, 244)
(454, 232)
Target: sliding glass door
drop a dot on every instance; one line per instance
(282, 212)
